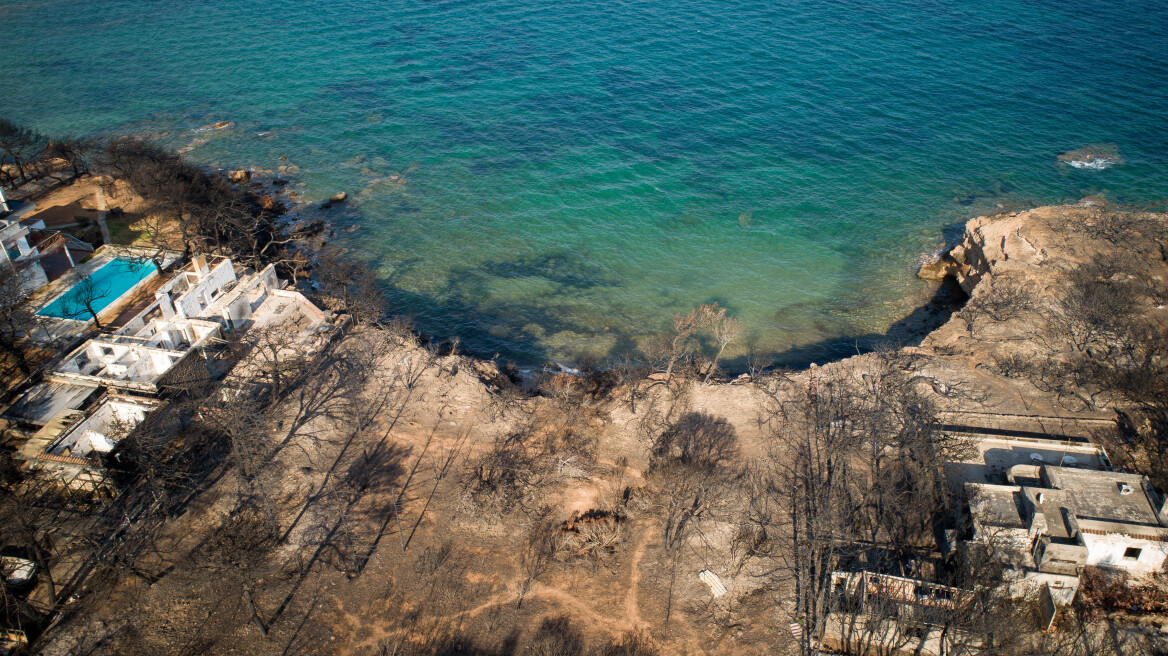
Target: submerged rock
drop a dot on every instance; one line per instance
(335, 199)
(1092, 156)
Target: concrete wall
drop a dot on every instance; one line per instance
(193, 301)
(1108, 551)
(102, 428)
(1021, 584)
(1059, 558)
(238, 310)
(32, 276)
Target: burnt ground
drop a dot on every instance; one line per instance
(383, 530)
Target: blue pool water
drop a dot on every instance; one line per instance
(552, 179)
(111, 281)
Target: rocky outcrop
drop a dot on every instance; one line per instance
(1093, 156)
(939, 268)
(996, 243)
(335, 199)
(1015, 268)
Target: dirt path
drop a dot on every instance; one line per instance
(632, 607)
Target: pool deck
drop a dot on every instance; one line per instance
(55, 330)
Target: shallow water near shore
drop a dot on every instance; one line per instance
(554, 180)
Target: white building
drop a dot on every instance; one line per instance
(189, 313)
(1049, 522)
(39, 255)
(218, 293)
(16, 251)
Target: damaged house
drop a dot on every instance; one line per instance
(1049, 522)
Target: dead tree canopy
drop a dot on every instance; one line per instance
(854, 470)
(20, 148)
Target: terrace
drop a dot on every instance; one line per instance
(1005, 460)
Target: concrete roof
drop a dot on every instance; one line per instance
(1097, 495)
(1091, 495)
(1000, 505)
(992, 458)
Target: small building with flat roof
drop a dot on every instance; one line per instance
(1063, 519)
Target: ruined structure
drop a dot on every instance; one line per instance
(190, 313)
(73, 448)
(1048, 522)
(38, 254)
(138, 360)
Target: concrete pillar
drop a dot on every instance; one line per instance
(165, 304)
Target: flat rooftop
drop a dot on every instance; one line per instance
(1001, 505)
(993, 457)
(1099, 496)
(1090, 495)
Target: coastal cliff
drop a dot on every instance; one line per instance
(1055, 294)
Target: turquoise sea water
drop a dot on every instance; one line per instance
(576, 172)
(110, 281)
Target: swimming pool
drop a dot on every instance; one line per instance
(112, 280)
